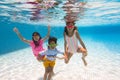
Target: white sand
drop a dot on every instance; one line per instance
(103, 64)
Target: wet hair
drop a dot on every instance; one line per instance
(36, 42)
(52, 39)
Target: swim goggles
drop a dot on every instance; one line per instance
(70, 26)
(52, 45)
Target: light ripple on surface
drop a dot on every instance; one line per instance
(104, 12)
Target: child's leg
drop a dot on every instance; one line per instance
(52, 64)
(79, 50)
(50, 73)
(46, 65)
(69, 55)
(83, 58)
(84, 54)
(66, 60)
(46, 73)
(53, 72)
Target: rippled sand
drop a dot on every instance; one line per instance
(103, 64)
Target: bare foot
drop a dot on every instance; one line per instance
(66, 61)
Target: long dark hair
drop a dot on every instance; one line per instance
(36, 42)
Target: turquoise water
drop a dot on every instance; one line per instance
(100, 21)
(98, 26)
(109, 36)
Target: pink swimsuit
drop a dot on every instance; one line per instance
(37, 50)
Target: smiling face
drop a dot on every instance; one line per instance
(36, 36)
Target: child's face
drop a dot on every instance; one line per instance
(70, 27)
(52, 45)
(36, 37)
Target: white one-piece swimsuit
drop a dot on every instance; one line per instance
(72, 43)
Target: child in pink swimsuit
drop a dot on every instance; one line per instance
(36, 43)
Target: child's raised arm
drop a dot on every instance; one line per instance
(48, 34)
(20, 36)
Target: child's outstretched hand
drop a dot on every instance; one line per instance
(15, 29)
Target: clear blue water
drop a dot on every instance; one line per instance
(99, 27)
(100, 23)
(10, 42)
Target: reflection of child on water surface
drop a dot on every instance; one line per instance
(40, 5)
(74, 9)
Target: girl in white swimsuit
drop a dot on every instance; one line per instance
(71, 39)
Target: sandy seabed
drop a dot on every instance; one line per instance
(103, 64)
